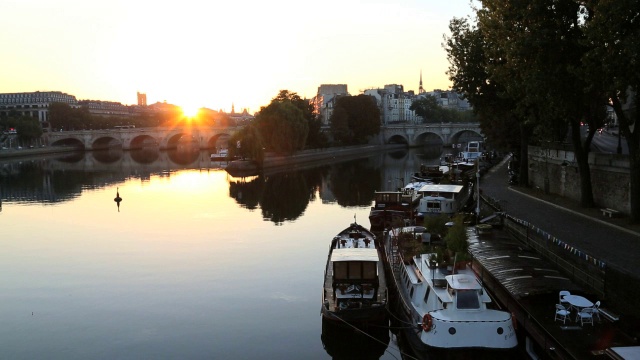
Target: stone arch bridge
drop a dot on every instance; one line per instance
(134, 138)
(421, 134)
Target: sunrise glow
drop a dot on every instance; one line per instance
(215, 54)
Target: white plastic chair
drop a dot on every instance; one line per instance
(561, 296)
(596, 310)
(561, 313)
(585, 316)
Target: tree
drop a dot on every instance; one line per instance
(355, 119)
(470, 71)
(28, 128)
(247, 144)
(315, 137)
(426, 107)
(613, 34)
(535, 54)
(282, 127)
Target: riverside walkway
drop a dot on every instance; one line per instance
(613, 241)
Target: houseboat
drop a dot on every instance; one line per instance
(443, 312)
(392, 208)
(437, 199)
(355, 287)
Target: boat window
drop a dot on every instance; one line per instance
(369, 270)
(355, 271)
(467, 299)
(426, 294)
(411, 292)
(340, 270)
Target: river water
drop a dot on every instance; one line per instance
(191, 264)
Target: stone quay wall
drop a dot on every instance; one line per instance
(556, 172)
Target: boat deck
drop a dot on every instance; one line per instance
(529, 286)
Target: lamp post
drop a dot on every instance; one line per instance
(619, 149)
(478, 191)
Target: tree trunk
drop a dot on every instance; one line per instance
(582, 158)
(633, 143)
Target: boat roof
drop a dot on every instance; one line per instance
(522, 272)
(463, 282)
(441, 188)
(355, 254)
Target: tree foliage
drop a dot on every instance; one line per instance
(526, 61)
(282, 124)
(611, 62)
(247, 144)
(428, 109)
(355, 119)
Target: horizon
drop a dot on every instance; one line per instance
(198, 55)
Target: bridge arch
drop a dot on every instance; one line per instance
(465, 135)
(397, 139)
(428, 138)
(74, 142)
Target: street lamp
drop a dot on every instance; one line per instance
(478, 190)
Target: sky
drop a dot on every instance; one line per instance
(216, 54)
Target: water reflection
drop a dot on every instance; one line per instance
(342, 341)
(281, 196)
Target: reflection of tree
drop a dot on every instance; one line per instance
(247, 193)
(286, 196)
(353, 183)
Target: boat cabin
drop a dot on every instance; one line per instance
(355, 270)
(440, 199)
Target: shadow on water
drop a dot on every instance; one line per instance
(342, 341)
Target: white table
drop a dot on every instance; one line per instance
(578, 302)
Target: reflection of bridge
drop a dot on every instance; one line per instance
(419, 134)
(162, 137)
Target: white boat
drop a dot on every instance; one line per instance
(355, 287)
(221, 155)
(445, 199)
(440, 311)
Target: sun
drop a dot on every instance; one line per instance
(190, 111)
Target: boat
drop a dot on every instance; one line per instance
(355, 287)
(447, 199)
(221, 155)
(442, 311)
(392, 208)
(432, 173)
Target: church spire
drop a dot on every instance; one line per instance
(420, 89)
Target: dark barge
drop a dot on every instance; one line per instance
(528, 286)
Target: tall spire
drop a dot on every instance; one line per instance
(420, 89)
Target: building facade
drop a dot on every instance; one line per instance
(35, 104)
(394, 104)
(325, 101)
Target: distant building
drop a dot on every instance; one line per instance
(239, 118)
(325, 100)
(394, 104)
(106, 108)
(142, 99)
(35, 104)
(450, 99)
